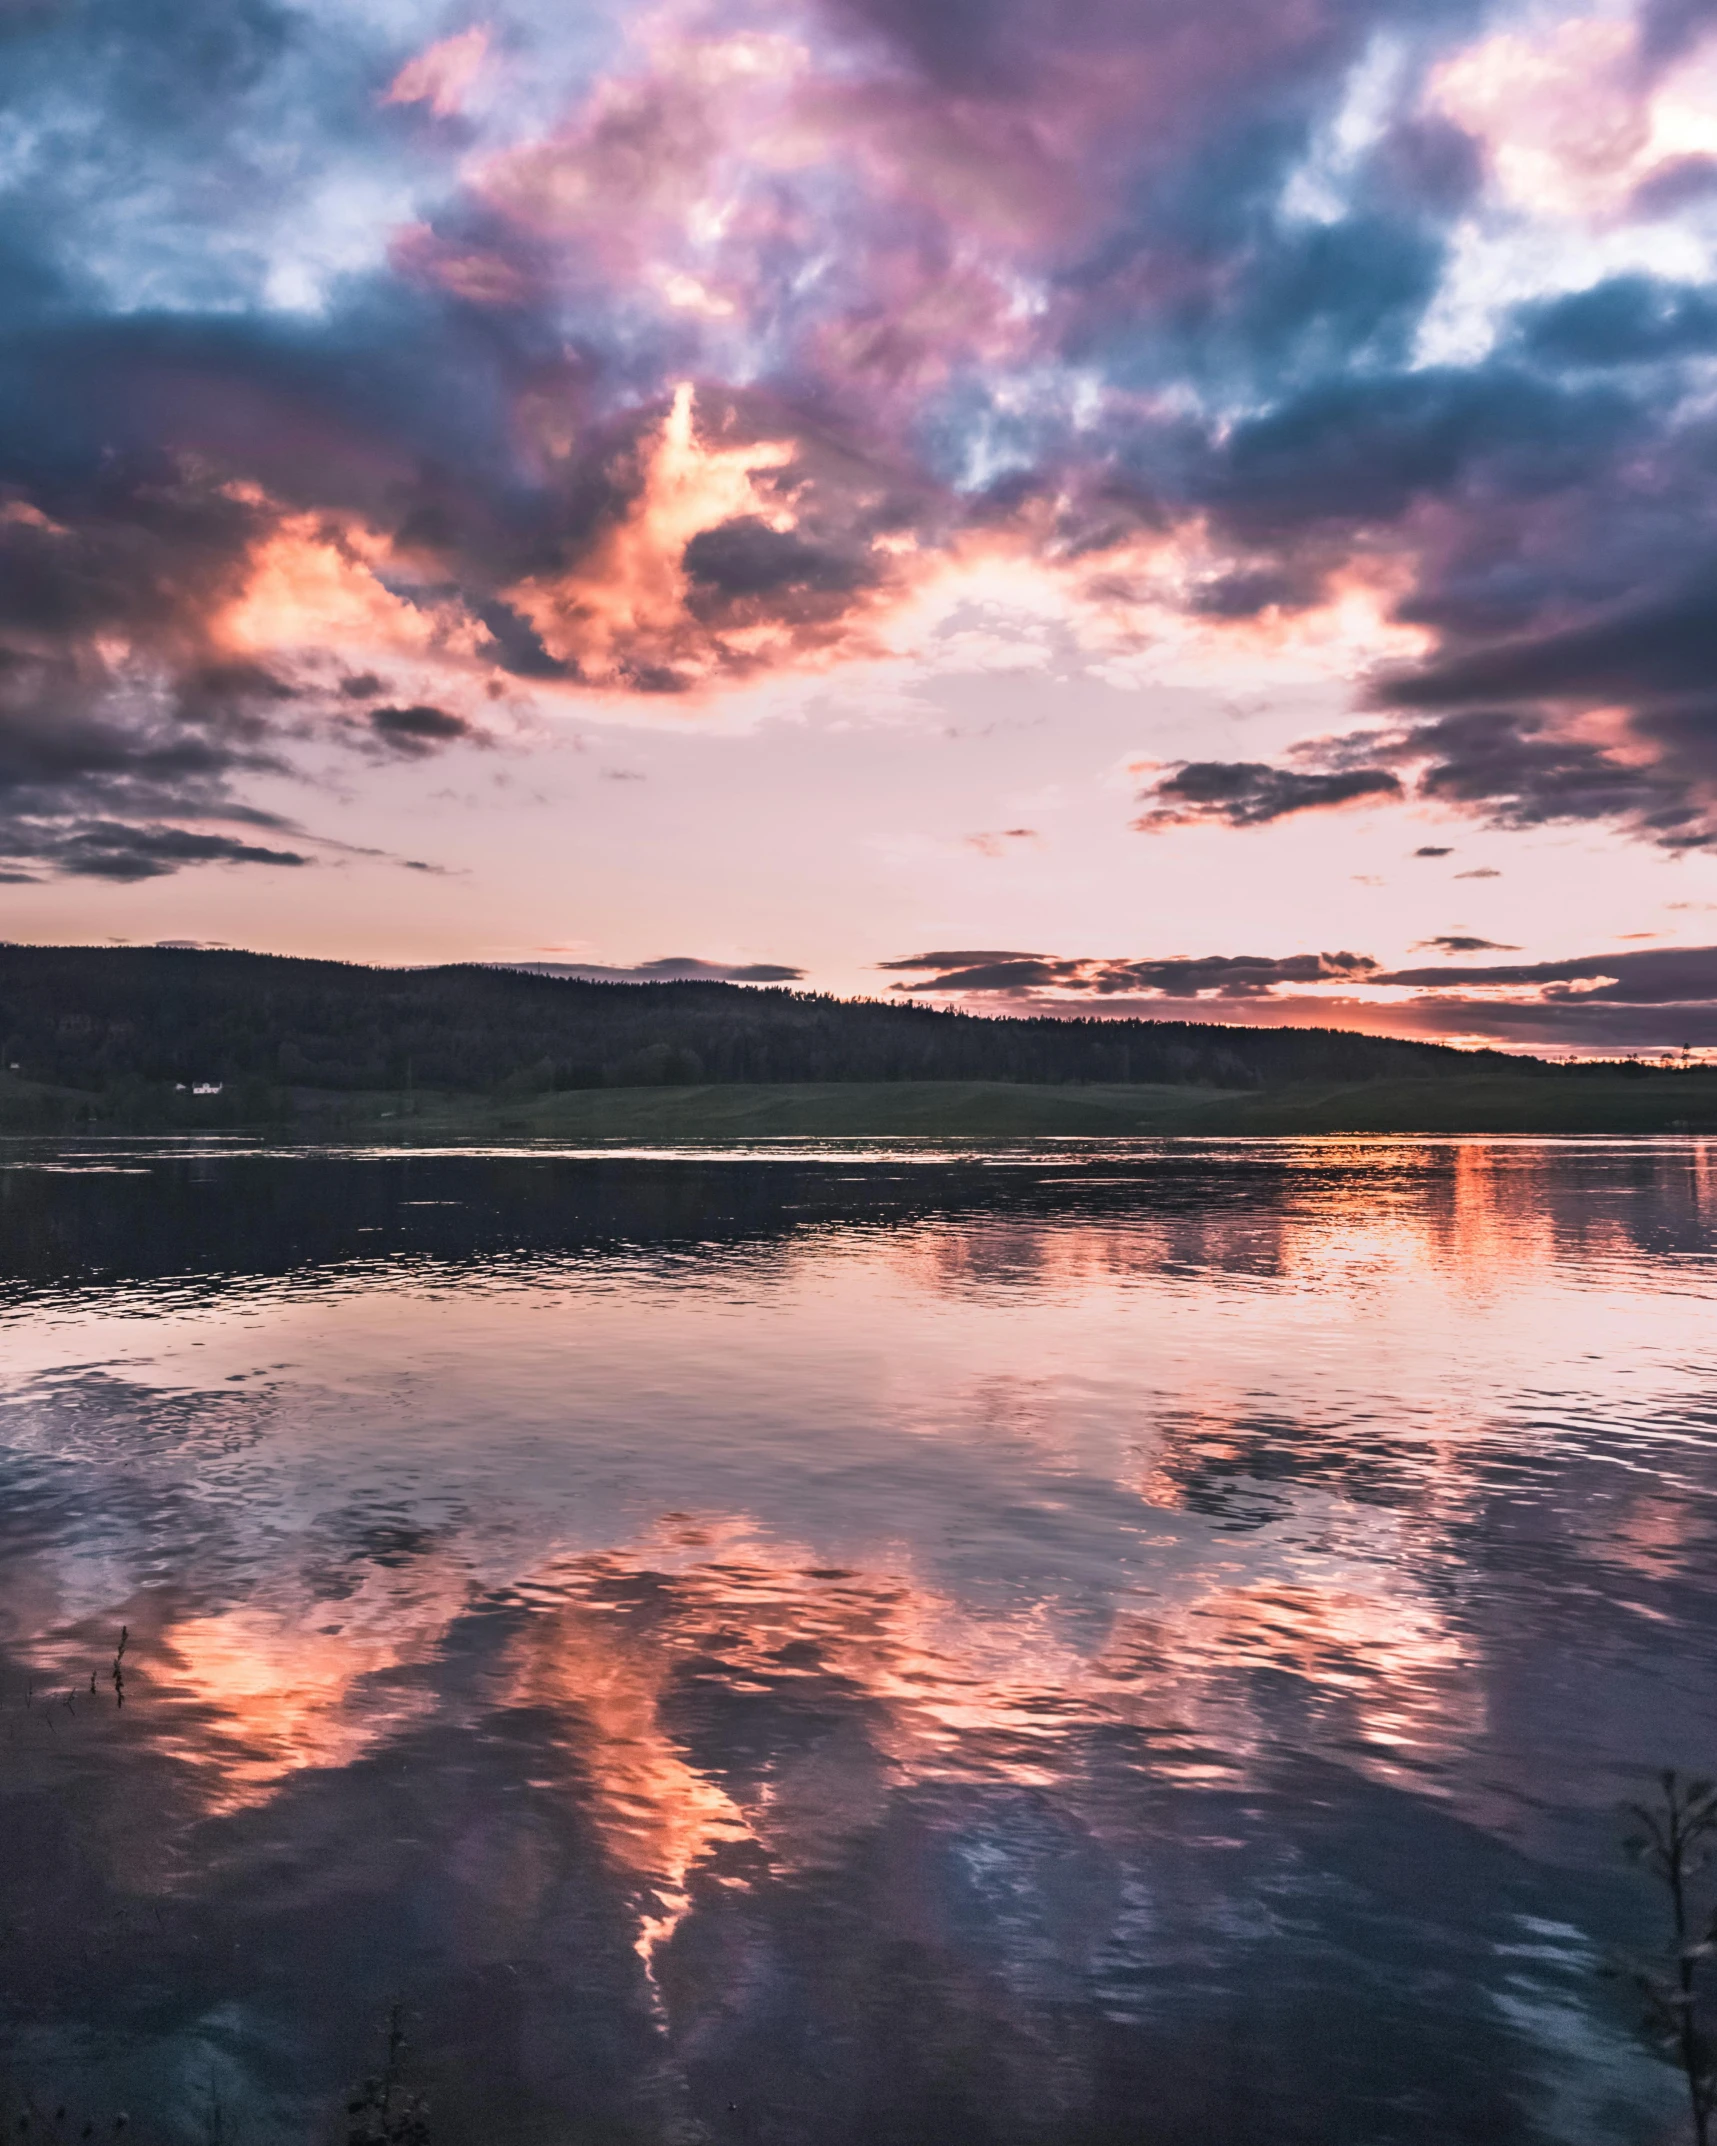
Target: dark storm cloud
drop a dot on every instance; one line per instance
(746, 557)
(146, 450)
(1630, 320)
(1568, 1024)
(416, 730)
(1652, 977)
(1513, 768)
(1516, 740)
(1361, 452)
(114, 698)
(74, 767)
(119, 546)
(1578, 571)
(1454, 942)
(1430, 849)
(1219, 975)
(958, 960)
(1650, 999)
(1668, 28)
(1526, 1022)
(1250, 793)
(1267, 309)
(110, 849)
(1679, 183)
(514, 646)
(1663, 649)
(995, 976)
(1246, 592)
(1525, 773)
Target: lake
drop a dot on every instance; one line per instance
(854, 1644)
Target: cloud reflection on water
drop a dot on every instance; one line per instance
(958, 1642)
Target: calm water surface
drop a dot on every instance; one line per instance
(851, 1644)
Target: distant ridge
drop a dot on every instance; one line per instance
(94, 1018)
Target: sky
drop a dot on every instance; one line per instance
(1201, 508)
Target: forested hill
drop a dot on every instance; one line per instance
(101, 1018)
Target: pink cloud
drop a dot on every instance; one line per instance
(441, 76)
(1573, 117)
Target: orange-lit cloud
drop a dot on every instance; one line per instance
(314, 585)
(275, 1689)
(630, 613)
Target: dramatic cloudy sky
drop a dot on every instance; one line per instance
(1136, 505)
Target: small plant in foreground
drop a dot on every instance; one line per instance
(1674, 1842)
(382, 2113)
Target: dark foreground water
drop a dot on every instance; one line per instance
(1062, 1644)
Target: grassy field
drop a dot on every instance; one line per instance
(1597, 1102)
(812, 1110)
(1585, 1103)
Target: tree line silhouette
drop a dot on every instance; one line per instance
(102, 1019)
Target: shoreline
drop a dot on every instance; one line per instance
(1603, 1102)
